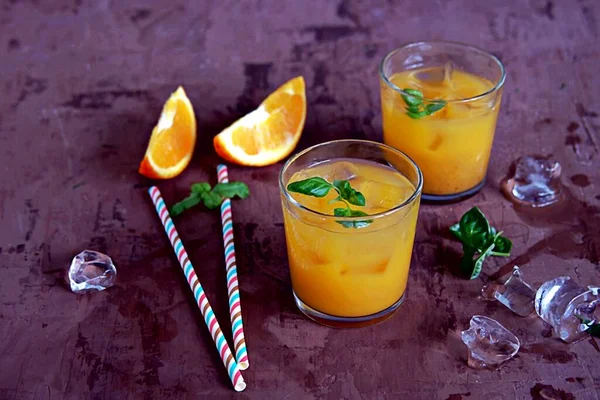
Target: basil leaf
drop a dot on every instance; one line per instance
(342, 212)
(232, 189)
(478, 237)
(434, 107)
(416, 115)
(187, 203)
(415, 108)
(455, 229)
(316, 186)
(502, 246)
(478, 264)
(466, 262)
(594, 330)
(348, 193)
(211, 199)
(200, 187)
(412, 98)
(348, 212)
(475, 228)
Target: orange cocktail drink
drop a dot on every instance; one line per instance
(440, 102)
(350, 270)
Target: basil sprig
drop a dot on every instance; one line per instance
(319, 187)
(479, 240)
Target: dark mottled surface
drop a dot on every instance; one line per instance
(82, 84)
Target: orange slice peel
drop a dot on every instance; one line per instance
(173, 139)
(269, 133)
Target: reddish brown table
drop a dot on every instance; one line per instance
(82, 85)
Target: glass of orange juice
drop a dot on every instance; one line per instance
(440, 102)
(350, 267)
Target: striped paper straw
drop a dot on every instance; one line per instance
(209, 316)
(235, 307)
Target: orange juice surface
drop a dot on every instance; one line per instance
(452, 147)
(351, 272)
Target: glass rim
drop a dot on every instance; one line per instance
(411, 199)
(475, 49)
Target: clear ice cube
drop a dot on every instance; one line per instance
(341, 170)
(515, 293)
(489, 343)
(536, 181)
(91, 271)
(563, 304)
(381, 196)
(435, 76)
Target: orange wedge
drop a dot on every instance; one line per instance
(173, 139)
(269, 133)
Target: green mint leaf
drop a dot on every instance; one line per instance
(455, 229)
(200, 187)
(342, 212)
(502, 246)
(348, 193)
(415, 108)
(211, 199)
(412, 98)
(319, 187)
(594, 330)
(315, 186)
(475, 228)
(187, 203)
(466, 263)
(416, 115)
(434, 107)
(478, 238)
(201, 193)
(348, 212)
(232, 189)
(478, 263)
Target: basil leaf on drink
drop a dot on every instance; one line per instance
(414, 97)
(348, 212)
(434, 107)
(348, 193)
(416, 108)
(319, 187)
(315, 186)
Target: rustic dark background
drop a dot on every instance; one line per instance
(82, 84)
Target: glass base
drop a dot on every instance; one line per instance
(450, 198)
(347, 322)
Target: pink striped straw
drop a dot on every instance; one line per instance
(209, 316)
(235, 306)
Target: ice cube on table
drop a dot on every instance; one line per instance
(536, 181)
(489, 343)
(564, 304)
(91, 271)
(515, 293)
